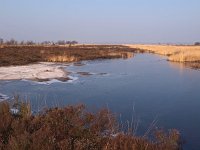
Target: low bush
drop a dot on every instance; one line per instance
(72, 128)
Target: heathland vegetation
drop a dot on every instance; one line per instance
(13, 52)
(73, 128)
(26, 54)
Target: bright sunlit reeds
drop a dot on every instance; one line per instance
(175, 53)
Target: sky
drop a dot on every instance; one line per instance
(101, 21)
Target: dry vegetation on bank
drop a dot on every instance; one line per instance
(174, 53)
(72, 128)
(22, 55)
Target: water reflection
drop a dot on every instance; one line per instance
(185, 66)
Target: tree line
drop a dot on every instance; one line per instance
(15, 42)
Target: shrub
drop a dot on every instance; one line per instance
(72, 128)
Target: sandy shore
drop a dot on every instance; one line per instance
(36, 72)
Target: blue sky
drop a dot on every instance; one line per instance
(101, 21)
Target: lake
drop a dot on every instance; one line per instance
(147, 88)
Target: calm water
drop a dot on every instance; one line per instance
(156, 88)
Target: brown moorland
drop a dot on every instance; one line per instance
(22, 55)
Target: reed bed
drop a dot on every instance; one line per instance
(175, 53)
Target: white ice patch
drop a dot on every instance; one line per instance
(40, 71)
(14, 111)
(71, 80)
(44, 82)
(3, 97)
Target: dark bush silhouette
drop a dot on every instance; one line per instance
(197, 43)
(72, 128)
(61, 42)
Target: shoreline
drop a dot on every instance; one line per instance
(12, 55)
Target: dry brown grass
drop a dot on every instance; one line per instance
(174, 53)
(186, 56)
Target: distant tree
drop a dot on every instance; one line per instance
(30, 43)
(22, 43)
(71, 42)
(1, 41)
(53, 43)
(197, 43)
(74, 42)
(11, 42)
(43, 43)
(46, 43)
(61, 42)
(68, 42)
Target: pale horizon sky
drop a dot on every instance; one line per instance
(101, 21)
